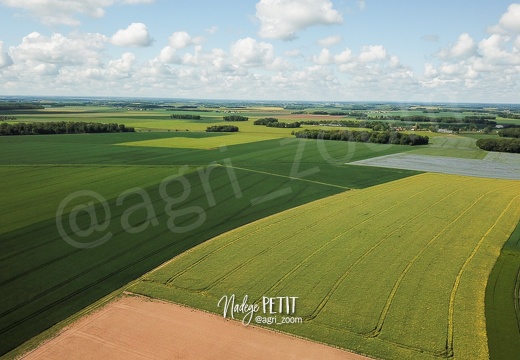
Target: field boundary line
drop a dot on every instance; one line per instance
(288, 177)
(56, 329)
(451, 309)
(296, 214)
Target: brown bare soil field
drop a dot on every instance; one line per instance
(138, 328)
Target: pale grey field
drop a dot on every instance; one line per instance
(495, 165)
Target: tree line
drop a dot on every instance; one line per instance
(222, 128)
(375, 125)
(185, 116)
(61, 127)
(502, 145)
(7, 118)
(377, 137)
(19, 106)
(508, 115)
(235, 118)
(356, 114)
(473, 119)
(273, 122)
(510, 133)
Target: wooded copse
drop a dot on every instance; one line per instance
(501, 145)
(185, 116)
(61, 127)
(273, 122)
(510, 133)
(377, 137)
(235, 118)
(222, 128)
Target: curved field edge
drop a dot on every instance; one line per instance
(434, 290)
(55, 330)
(503, 301)
(44, 279)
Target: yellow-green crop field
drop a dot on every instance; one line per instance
(205, 143)
(395, 271)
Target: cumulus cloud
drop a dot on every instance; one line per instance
(181, 39)
(77, 49)
(250, 52)
(136, 34)
(325, 57)
(123, 66)
(64, 12)
(178, 40)
(5, 59)
(329, 41)
(491, 66)
(282, 19)
(429, 70)
(372, 53)
(509, 22)
(464, 47)
(493, 51)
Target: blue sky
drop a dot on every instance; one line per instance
(343, 50)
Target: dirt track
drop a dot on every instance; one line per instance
(136, 328)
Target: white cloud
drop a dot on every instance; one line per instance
(136, 34)
(430, 71)
(343, 57)
(361, 4)
(450, 69)
(178, 40)
(323, 58)
(181, 39)
(168, 55)
(326, 58)
(78, 49)
(5, 59)
(250, 52)
(493, 52)
(372, 53)
(64, 11)
(282, 19)
(394, 61)
(122, 66)
(509, 22)
(329, 41)
(464, 47)
(212, 30)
